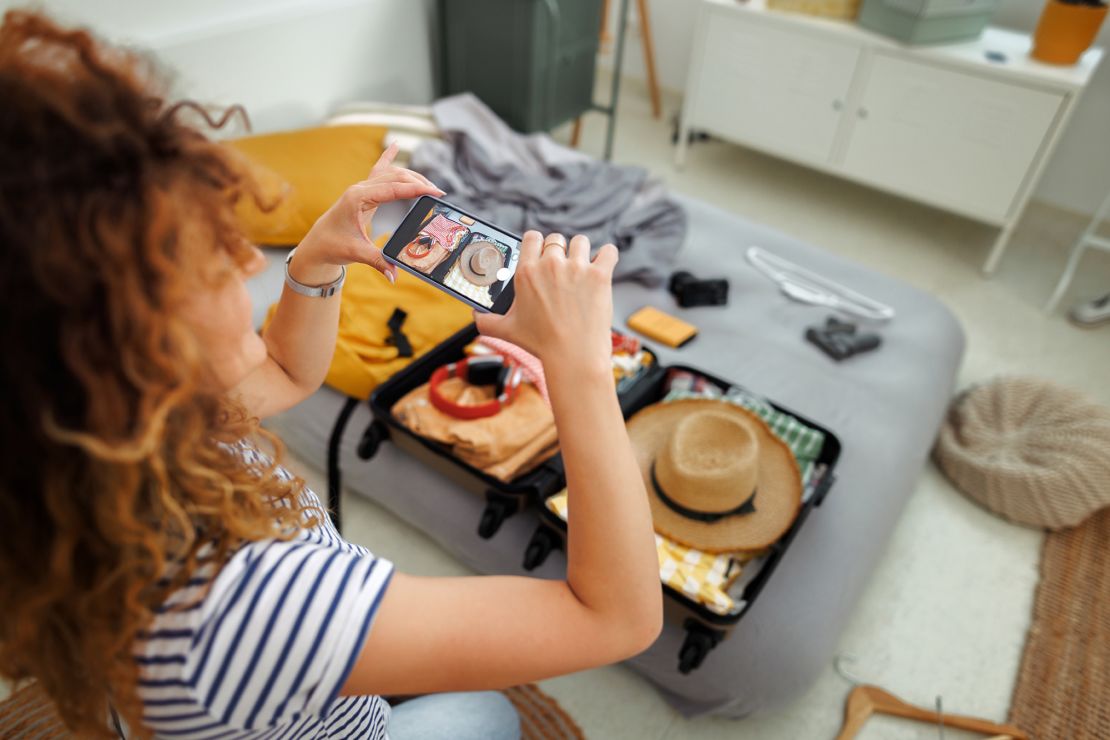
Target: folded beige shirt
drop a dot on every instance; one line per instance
(504, 445)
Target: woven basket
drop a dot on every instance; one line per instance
(1030, 450)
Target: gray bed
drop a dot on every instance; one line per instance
(885, 407)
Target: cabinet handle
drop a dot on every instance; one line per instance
(862, 113)
(838, 105)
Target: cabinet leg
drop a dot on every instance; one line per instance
(1069, 272)
(576, 132)
(606, 38)
(999, 248)
(681, 144)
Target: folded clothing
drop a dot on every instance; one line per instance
(707, 578)
(529, 364)
(522, 434)
(506, 445)
(702, 576)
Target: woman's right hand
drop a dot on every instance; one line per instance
(563, 308)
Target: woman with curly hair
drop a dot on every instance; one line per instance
(158, 565)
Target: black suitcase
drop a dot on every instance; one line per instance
(704, 628)
(502, 499)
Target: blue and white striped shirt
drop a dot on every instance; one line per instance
(263, 652)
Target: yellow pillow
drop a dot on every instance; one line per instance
(308, 170)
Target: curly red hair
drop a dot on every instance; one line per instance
(118, 461)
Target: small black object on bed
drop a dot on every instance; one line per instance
(839, 340)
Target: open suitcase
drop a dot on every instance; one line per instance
(502, 499)
(704, 628)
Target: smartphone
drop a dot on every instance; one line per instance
(457, 252)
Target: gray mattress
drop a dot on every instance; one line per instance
(885, 407)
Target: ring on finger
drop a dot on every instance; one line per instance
(551, 243)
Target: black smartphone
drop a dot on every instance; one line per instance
(457, 252)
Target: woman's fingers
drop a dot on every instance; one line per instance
(385, 160)
(530, 246)
(377, 193)
(491, 324)
(579, 249)
(388, 173)
(373, 256)
(554, 247)
(606, 258)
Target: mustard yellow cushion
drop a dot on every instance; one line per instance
(307, 170)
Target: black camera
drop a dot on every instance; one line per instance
(690, 291)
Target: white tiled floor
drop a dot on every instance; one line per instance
(948, 607)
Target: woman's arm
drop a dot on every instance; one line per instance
(441, 634)
(300, 339)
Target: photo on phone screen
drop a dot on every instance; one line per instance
(468, 257)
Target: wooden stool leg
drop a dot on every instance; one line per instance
(649, 57)
(606, 37)
(576, 132)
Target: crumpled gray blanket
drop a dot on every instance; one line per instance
(531, 182)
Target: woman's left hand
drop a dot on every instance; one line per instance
(342, 235)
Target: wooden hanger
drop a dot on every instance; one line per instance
(865, 701)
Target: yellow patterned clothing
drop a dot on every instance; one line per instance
(364, 355)
(702, 576)
(478, 293)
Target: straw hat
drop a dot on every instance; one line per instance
(718, 478)
(480, 260)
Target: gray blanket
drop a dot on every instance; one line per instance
(530, 182)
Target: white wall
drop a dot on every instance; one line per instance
(1077, 176)
(288, 61)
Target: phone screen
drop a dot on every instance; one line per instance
(470, 258)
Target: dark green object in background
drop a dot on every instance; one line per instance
(531, 61)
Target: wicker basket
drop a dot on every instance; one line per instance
(845, 9)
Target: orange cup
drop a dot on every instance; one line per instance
(1065, 31)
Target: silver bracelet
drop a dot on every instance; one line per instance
(313, 291)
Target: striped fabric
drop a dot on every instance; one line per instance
(261, 648)
(445, 231)
(528, 362)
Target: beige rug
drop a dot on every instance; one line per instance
(1063, 687)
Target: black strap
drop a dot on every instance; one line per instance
(397, 337)
(335, 480)
(748, 507)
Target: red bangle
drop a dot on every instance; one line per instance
(487, 370)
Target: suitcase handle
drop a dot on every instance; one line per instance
(700, 640)
(539, 547)
(375, 434)
(499, 507)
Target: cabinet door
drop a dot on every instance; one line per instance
(773, 89)
(955, 139)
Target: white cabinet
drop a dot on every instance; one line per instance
(965, 127)
(952, 138)
(780, 91)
